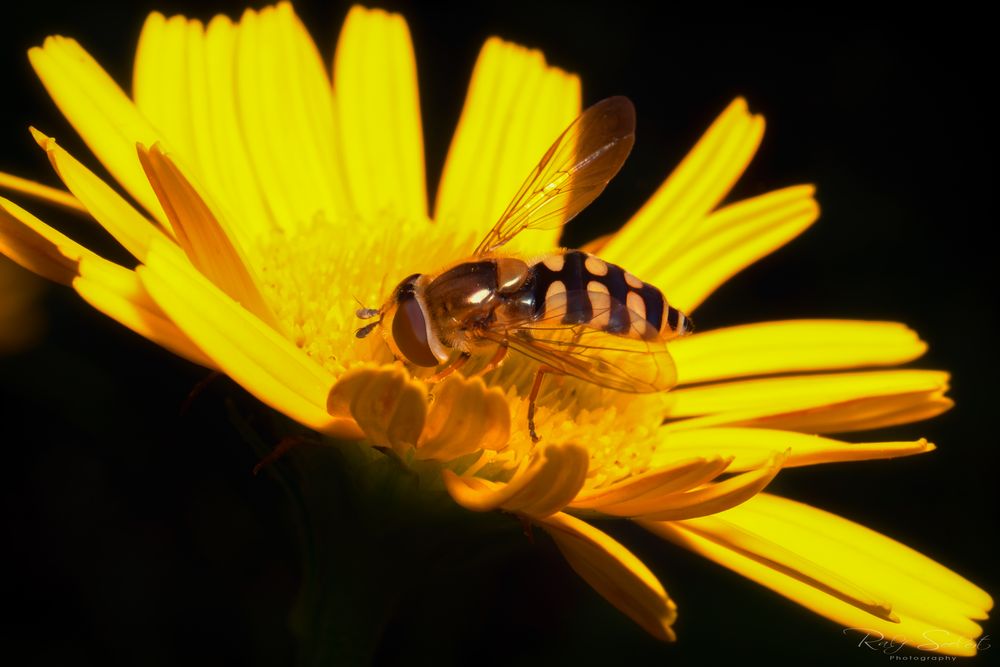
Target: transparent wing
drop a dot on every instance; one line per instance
(571, 174)
(634, 361)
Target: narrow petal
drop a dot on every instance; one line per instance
(728, 241)
(677, 475)
(110, 288)
(615, 573)
(781, 559)
(41, 192)
(386, 402)
(703, 501)
(204, 234)
(160, 78)
(677, 210)
(184, 80)
(545, 483)
(790, 346)
(118, 293)
(464, 416)
(253, 354)
(515, 108)
(916, 577)
(784, 394)
(378, 110)
(860, 414)
(100, 111)
(750, 448)
(36, 246)
(117, 216)
(933, 605)
(285, 110)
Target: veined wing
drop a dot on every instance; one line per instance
(571, 174)
(635, 361)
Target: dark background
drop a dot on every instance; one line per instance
(135, 536)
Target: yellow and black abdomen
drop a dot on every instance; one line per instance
(587, 290)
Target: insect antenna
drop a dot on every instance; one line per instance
(367, 329)
(364, 312)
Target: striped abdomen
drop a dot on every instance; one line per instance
(603, 296)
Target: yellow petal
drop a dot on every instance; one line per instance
(110, 288)
(160, 78)
(117, 292)
(777, 557)
(464, 416)
(41, 192)
(783, 394)
(184, 80)
(285, 109)
(36, 246)
(378, 109)
(100, 111)
(750, 448)
(117, 216)
(676, 211)
(912, 575)
(678, 475)
(794, 345)
(728, 241)
(515, 108)
(615, 573)
(544, 484)
(247, 350)
(703, 501)
(204, 234)
(934, 605)
(386, 402)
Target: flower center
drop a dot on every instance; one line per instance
(316, 277)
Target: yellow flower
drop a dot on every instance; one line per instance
(269, 200)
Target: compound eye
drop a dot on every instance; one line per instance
(409, 332)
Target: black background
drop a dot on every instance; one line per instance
(135, 536)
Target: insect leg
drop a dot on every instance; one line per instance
(450, 368)
(533, 396)
(496, 360)
(283, 447)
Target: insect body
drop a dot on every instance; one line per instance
(570, 311)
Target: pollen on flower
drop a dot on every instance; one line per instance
(619, 430)
(314, 278)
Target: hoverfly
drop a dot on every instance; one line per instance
(570, 311)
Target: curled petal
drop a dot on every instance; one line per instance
(702, 501)
(678, 475)
(614, 572)
(388, 404)
(545, 483)
(464, 416)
